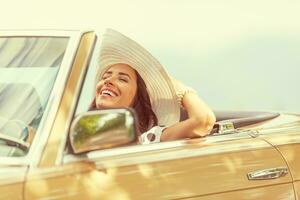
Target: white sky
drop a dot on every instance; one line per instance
(212, 45)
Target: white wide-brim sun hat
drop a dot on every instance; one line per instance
(117, 48)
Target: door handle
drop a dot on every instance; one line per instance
(267, 174)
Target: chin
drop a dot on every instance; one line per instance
(106, 106)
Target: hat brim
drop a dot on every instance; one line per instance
(116, 48)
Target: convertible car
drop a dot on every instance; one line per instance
(51, 149)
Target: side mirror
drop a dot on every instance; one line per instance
(102, 129)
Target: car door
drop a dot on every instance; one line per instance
(286, 139)
(213, 168)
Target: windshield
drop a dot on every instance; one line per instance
(28, 69)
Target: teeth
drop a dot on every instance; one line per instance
(107, 92)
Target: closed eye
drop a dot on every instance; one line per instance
(124, 80)
(104, 77)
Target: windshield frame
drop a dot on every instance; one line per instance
(42, 134)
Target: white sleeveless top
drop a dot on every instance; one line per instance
(152, 136)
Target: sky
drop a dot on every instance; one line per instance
(238, 55)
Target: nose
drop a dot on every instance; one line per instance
(109, 81)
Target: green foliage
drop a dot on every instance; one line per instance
(91, 125)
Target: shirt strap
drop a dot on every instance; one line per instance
(153, 135)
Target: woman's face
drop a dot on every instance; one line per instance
(117, 87)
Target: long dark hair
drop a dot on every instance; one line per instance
(142, 106)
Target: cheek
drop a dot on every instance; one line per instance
(132, 94)
(98, 87)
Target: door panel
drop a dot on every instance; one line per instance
(288, 143)
(291, 153)
(11, 191)
(12, 182)
(207, 169)
(197, 176)
(283, 191)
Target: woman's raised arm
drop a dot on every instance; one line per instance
(200, 117)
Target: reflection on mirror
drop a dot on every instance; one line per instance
(102, 129)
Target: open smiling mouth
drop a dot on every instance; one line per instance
(108, 93)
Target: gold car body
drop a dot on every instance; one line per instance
(215, 167)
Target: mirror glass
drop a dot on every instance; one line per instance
(102, 129)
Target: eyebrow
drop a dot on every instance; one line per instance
(120, 73)
(124, 74)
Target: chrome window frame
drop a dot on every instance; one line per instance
(35, 152)
(74, 104)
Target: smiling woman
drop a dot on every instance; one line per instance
(124, 78)
(122, 86)
(129, 76)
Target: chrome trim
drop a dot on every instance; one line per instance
(283, 136)
(253, 133)
(139, 154)
(55, 97)
(278, 130)
(14, 161)
(62, 145)
(267, 174)
(38, 144)
(11, 175)
(38, 32)
(226, 127)
(93, 61)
